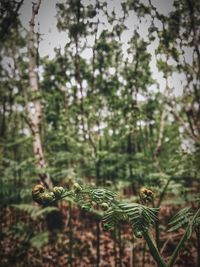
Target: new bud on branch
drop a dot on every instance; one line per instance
(58, 190)
(43, 196)
(77, 188)
(146, 195)
(37, 192)
(104, 206)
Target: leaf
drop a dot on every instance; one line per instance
(102, 195)
(34, 211)
(18, 141)
(43, 212)
(112, 217)
(181, 219)
(28, 208)
(40, 240)
(140, 216)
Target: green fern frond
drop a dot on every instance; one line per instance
(28, 208)
(109, 220)
(112, 217)
(43, 212)
(140, 216)
(34, 211)
(19, 229)
(102, 195)
(40, 240)
(197, 222)
(181, 219)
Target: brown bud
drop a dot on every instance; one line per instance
(77, 188)
(47, 197)
(37, 191)
(146, 195)
(145, 191)
(104, 206)
(58, 190)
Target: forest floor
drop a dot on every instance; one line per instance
(82, 242)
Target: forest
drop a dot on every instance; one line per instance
(99, 133)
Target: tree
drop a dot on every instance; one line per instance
(35, 112)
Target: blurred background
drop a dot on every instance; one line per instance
(97, 92)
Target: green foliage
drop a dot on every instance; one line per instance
(20, 229)
(28, 237)
(102, 195)
(140, 217)
(112, 218)
(40, 240)
(9, 18)
(33, 211)
(182, 219)
(101, 115)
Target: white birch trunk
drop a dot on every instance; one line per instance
(35, 110)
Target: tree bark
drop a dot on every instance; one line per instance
(160, 139)
(34, 107)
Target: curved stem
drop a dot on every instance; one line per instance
(182, 241)
(158, 205)
(154, 250)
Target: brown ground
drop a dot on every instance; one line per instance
(17, 251)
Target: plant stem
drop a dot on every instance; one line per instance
(134, 261)
(153, 249)
(120, 248)
(198, 245)
(157, 223)
(65, 195)
(157, 233)
(115, 246)
(163, 192)
(98, 243)
(198, 242)
(143, 254)
(70, 235)
(182, 241)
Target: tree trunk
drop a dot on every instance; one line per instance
(34, 108)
